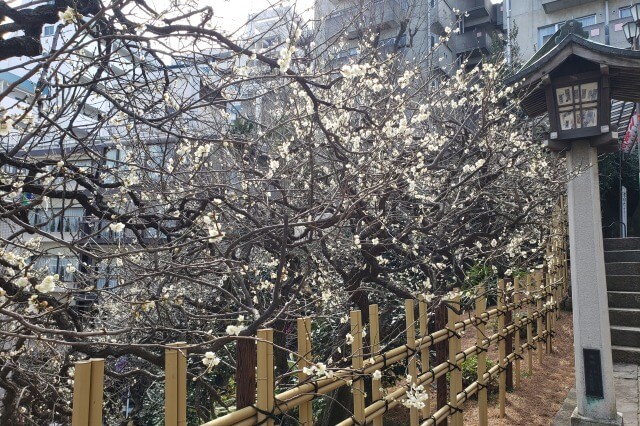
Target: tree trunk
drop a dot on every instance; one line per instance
(339, 407)
(245, 373)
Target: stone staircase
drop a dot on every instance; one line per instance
(622, 261)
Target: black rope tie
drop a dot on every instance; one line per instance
(454, 408)
(453, 366)
(270, 415)
(433, 373)
(453, 333)
(432, 342)
(355, 422)
(411, 351)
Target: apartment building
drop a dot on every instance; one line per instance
(537, 20)
(414, 27)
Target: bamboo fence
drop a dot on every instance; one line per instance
(537, 294)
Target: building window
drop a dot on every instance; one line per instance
(544, 33)
(625, 12)
(49, 30)
(57, 220)
(65, 267)
(108, 273)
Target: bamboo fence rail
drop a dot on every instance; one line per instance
(534, 299)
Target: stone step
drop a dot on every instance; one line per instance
(627, 317)
(625, 336)
(623, 299)
(621, 244)
(629, 283)
(626, 354)
(622, 256)
(623, 268)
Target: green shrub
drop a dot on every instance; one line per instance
(470, 373)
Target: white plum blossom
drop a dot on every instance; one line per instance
(234, 330)
(68, 16)
(319, 369)
(6, 126)
(117, 227)
(417, 396)
(349, 339)
(22, 282)
(354, 70)
(210, 359)
(48, 284)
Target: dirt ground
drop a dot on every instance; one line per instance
(541, 395)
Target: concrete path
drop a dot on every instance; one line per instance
(627, 383)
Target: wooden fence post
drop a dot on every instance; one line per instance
(548, 298)
(455, 376)
(374, 338)
(516, 300)
(357, 363)
(481, 306)
(502, 350)
(424, 353)
(529, 326)
(175, 393)
(265, 381)
(508, 340)
(304, 360)
(441, 356)
(414, 418)
(88, 388)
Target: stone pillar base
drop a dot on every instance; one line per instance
(578, 420)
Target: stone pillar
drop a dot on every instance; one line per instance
(589, 292)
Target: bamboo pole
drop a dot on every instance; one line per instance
(424, 353)
(455, 377)
(304, 360)
(516, 300)
(182, 382)
(539, 331)
(96, 392)
(414, 418)
(81, 393)
(171, 387)
(529, 327)
(264, 376)
(502, 350)
(357, 363)
(481, 306)
(374, 337)
(549, 314)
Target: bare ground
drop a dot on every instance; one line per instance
(540, 396)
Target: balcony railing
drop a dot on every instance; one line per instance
(379, 15)
(551, 6)
(474, 40)
(478, 12)
(442, 16)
